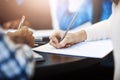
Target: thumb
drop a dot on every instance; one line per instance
(63, 43)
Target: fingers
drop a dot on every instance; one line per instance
(68, 45)
(24, 30)
(55, 38)
(25, 36)
(28, 36)
(53, 44)
(66, 42)
(63, 44)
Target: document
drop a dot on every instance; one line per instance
(37, 57)
(93, 49)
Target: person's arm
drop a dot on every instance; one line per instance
(115, 26)
(16, 62)
(70, 38)
(22, 36)
(100, 30)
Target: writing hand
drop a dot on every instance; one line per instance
(22, 36)
(69, 40)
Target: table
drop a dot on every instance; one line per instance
(62, 67)
(58, 65)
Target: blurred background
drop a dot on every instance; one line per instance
(37, 12)
(49, 14)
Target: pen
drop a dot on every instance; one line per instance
(70, 25)
(21, 22)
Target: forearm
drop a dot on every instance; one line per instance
(100, 30)
(80, 36)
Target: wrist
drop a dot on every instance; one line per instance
(81, 36)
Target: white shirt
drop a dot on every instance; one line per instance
(102, 30)
(109, 29)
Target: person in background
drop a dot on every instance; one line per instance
(66, 9)
(13, 24)
(108, 28)
(11, 21)
(36, 17)
(22, 36)
(16, 59)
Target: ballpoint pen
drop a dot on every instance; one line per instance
(70, 25)
(21, 22)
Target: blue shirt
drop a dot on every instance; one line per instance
(15, 61)
(85, 13)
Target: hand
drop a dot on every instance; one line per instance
(22, 36)
(70, 39)
(14, 24)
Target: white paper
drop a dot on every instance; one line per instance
(35, 55)
(94, 49)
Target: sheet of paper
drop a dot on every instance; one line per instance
(94, 49)
(37, 57)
